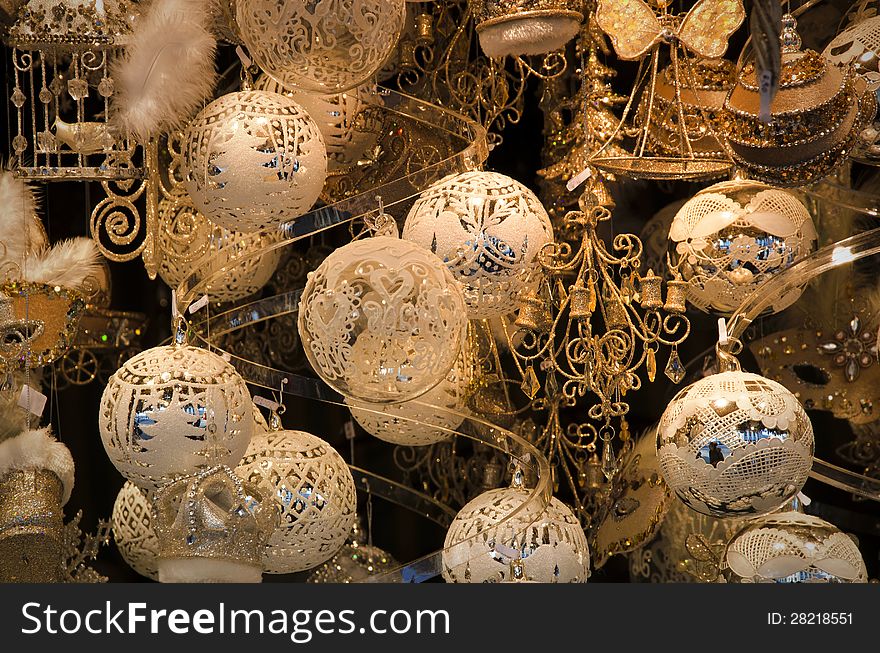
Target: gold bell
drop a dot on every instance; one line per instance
(615, 314)
(676, 291)
(533, 314)
(407, 55)
(579, 301)
(650, 291)
(425, 28)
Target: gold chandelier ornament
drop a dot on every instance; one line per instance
(513, 28)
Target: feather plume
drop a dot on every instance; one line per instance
(168, 70)
(38, 449)
(74, 263)
(20, 230)
(765, 25)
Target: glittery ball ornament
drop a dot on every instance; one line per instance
(323, 47)
(479, 547)
(526, 27)
(488, 228)
(355, 562)
(134, 531)
(382, 320)
(253, 160)
(731, 237)
(791, 547)
(186, 237)
(735, 444)
(174, 410)
(314, 492)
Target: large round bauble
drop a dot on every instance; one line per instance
(172, 411)
(479, 549)
(186, 237)
(382, 320)
(735, 444)
(526, 27)
(323, 47)
(488, 228)
(252, 160)
(731, 237)
(337, 116)
(427, 420)
(791, 547)
(314, 492)
(134, 531)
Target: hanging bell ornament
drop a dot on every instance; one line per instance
(579, 301)
(615, 314)
(650, 291)
(676, 291)
(533, 314)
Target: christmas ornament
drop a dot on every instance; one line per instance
(134, 530)
(859, 46)
(791, 547)
(253, 160)
(320, 47)
(338, 116)
(488, 229)
(526, 27)
(356, 561)
(431, 418)
(314, 492)
(382, 320)
(731, 237)
(186, 237)
(735, 444)
(813, 120)
(479, 546)
(174, 410)
(212, 527)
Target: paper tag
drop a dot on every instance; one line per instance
(578, 179)
(245, 60)
(804, 499)
(348, 429)
(200, 303)
(266, 403)
(722, 331)
(174, 312)
(32, 400)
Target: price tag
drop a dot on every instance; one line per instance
(200, 303)
(348, 429)
(32, 400)
(266, 403)
(578, 179)
(722, 332)
(245, 60)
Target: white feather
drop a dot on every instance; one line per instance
(19, 228)
(168, 70)
(74, 263)
(37, 449)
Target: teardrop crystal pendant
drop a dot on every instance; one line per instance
(674, 368)
(651, 365)
(609, 461)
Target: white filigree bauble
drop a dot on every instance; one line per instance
(550, 543)
(731, 237)
(323, 47)
(173, 411)
(427, 420)
(859, 46)
(314, 492)
(186, 237)
(791, 547)
(488, 228)
(134, 531)
(253, 160)
(354, 562)
(382, 320)
(337, 116)
(735, 444)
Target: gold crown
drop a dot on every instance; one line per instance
(212, 516)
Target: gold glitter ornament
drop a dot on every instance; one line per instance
(526, 27)
(355, 562)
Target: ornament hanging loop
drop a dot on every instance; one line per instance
(279, 409)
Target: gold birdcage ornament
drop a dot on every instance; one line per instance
(668, 111)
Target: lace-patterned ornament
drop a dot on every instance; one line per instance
(186, 236)
(735, 444)
(323, 47)
(731, 237)
(792, 547)
(488, 228)
(253, 159)
(134, 531)
(551, 544)
(382, 320)
(410, 423)
(314, 492)
(172, 411)
(859, 46)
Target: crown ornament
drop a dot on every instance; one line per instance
(212, 527)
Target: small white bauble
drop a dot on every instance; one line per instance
(731, 237)
(252, 160)
(551, 544)
(186, 236)
(314, 492)
(133, 530)
(323, 47)
(172, 411)
(426, 420)
(791, 547)
(735, 444)
(488, 228)
(336, 115)
(381, 320)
